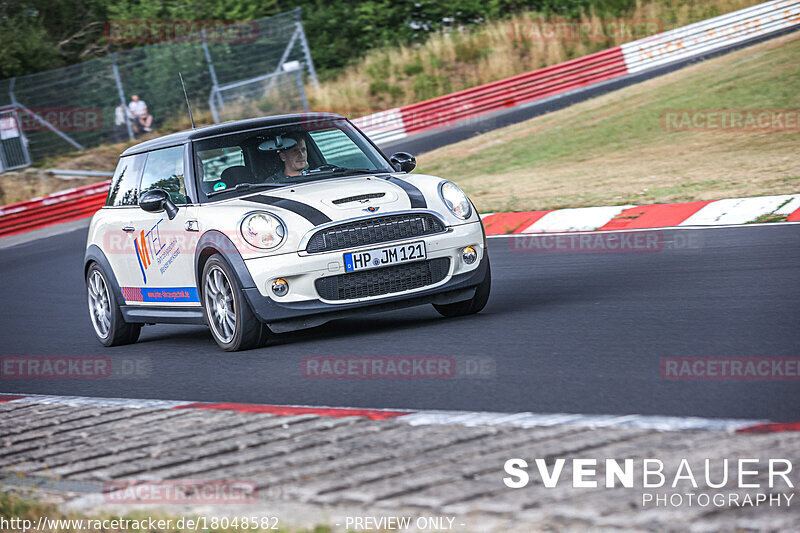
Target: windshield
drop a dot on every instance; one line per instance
(283, 155)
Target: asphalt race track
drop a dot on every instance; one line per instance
(563, 332)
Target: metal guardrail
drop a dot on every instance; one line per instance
(649, 53)
(64, 206)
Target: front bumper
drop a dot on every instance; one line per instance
(302, 307)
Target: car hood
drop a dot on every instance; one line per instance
(342, 198)
(305, 207)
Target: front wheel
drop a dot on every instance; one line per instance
(109, 325)
(474, 304)
(233, 324)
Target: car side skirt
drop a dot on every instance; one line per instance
(136, 314)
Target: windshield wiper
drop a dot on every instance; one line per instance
(245, 187)
(338, 170)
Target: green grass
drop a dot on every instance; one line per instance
(606, 150)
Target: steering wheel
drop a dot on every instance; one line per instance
(327, 167)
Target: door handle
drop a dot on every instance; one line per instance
(129, 229)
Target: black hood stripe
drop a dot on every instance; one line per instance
(315, 216)
(414, 194)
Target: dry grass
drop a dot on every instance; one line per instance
(611, 150)
(457, 60)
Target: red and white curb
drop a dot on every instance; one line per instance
(727, 212)
(431, 417)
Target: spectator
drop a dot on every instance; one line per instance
(139, 110)
(122, 114)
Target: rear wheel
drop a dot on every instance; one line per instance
(474, 304)
(107, 320)
(233, 324)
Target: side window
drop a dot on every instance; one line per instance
(164, 170)
(124, 188)
(339, 149)
(214, 162)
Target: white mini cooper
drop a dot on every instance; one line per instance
(274, 224)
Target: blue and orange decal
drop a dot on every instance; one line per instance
(146, 246)
(160, 294)
(141, 254)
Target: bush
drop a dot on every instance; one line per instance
(470, 52)
(378, 87)
(413, 68)
(427, 86)
(435, 61)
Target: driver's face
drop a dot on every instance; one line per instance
(295, 159)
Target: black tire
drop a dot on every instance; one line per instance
(223, 296)
(474, 304)
(104, 312)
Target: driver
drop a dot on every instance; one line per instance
(295, 160)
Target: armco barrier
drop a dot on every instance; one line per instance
(641, 55)
(513, 91)
(64, 206)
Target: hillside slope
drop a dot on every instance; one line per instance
(615, 150)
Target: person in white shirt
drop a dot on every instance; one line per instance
(121, 115)
(139, 110)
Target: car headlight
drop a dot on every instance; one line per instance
(263, 230)
(455, 200)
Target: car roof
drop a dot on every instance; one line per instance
(178, 138)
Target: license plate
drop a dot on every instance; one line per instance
(380, 257)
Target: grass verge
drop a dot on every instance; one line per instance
(475, 55)
(613, 150)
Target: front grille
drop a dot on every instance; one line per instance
(373, 231)
(385, 280)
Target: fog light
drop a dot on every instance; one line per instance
(280, 287)
(469, 255)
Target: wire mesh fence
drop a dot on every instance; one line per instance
(276, 93)
(85, 105)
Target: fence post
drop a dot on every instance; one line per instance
(302, 89)
(211, 70)
(121, 94)
(306, 51)
(11, 83)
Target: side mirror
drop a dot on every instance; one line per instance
(156, 200)
(403, 161)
